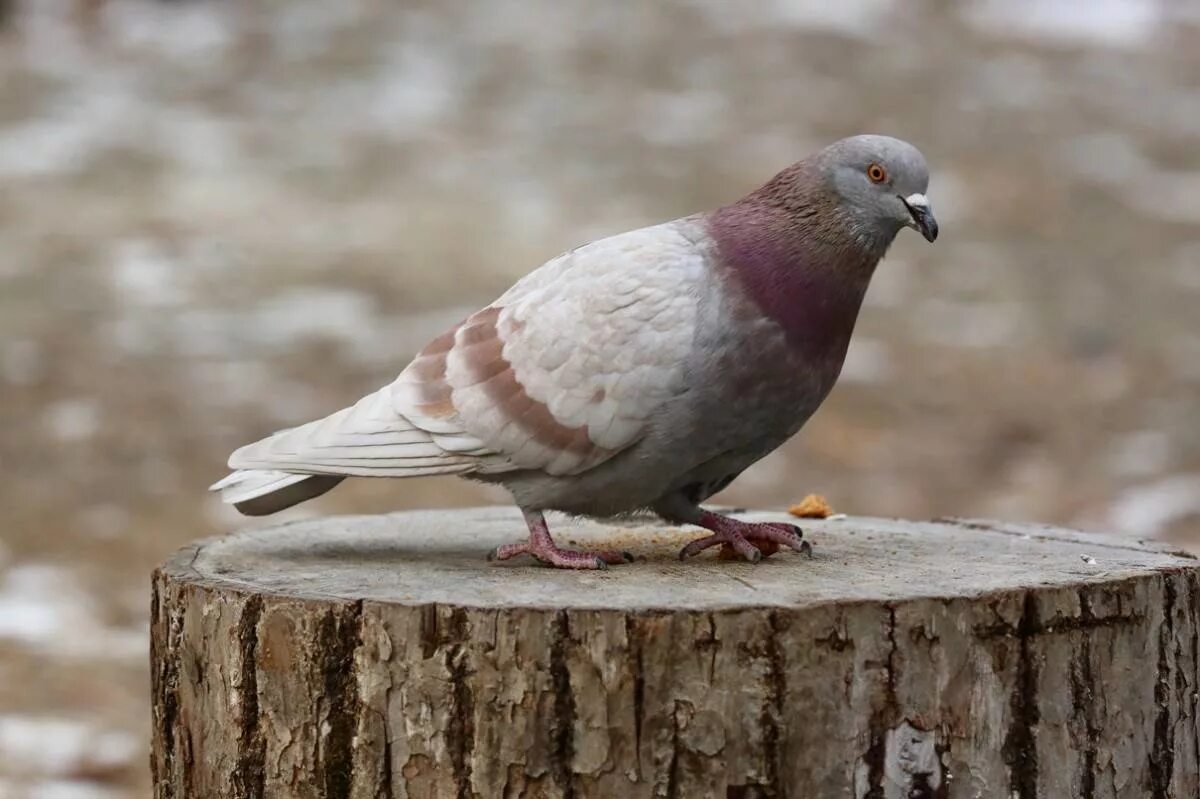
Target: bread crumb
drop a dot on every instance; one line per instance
(814, 506)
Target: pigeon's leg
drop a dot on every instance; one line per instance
(541, 546)
(751, 540)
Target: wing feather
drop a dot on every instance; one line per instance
(564, 371)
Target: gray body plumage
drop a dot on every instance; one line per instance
(743, 392)
(646, 370)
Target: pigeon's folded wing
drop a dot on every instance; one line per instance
(561, 373)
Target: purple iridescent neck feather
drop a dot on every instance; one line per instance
(800, 259)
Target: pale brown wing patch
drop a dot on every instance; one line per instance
(427, 377)
(484, 371)
(534, 418)
(428, 367)
(480, 327)
(481, 348)
(442, 344)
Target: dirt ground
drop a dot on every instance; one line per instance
(219, 219)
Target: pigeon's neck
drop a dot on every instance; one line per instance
(802, 266)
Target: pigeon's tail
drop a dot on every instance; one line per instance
(260, 492)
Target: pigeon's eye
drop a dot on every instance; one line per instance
(876, 173)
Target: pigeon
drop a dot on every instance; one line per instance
(641, 372)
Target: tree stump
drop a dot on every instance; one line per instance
(384, 656)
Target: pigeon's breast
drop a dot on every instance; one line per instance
(750, 388)
(769, 381)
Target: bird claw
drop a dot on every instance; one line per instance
(751, 540)
(613, 557)
(789, 535)
(734, 542)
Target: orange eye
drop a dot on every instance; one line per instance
(876, 173)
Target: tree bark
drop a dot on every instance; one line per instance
(377, 657)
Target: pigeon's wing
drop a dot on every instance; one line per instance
(561, 373)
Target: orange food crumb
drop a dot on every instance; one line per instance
(814, 506)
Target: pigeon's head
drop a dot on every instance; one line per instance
(880, 183)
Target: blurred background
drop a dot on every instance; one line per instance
(218, 219)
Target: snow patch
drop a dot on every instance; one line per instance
(72, 420)
(1150, 509)
(143, 275)
(61, 747)
(56, 789)
(44, 608)
(1111, 23)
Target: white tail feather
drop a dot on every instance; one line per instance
(262, 492)
(247, 484)
(370, 439)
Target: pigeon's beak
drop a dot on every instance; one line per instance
(922, 215)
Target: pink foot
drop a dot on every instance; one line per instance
(751, 540)
(561, 558)
(541, 546)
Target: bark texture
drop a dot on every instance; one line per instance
(383, 657)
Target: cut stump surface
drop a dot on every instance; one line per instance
(385, 657)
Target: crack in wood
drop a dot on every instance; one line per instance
(164, 653)
(1193, 583)
(673, 768)
(943, 790)
(772, 711)
(1162, 755)
(431, 639)
(834, 641)
(386, 776)
(249, 770)
(635, 642)
(1060, 624)
(712, 644)
(1098, 542)
(1020, 742)
(564, 705)
(884, 717)
(339, 635)
(921, 789)
(1083, 696)
(461, 730)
